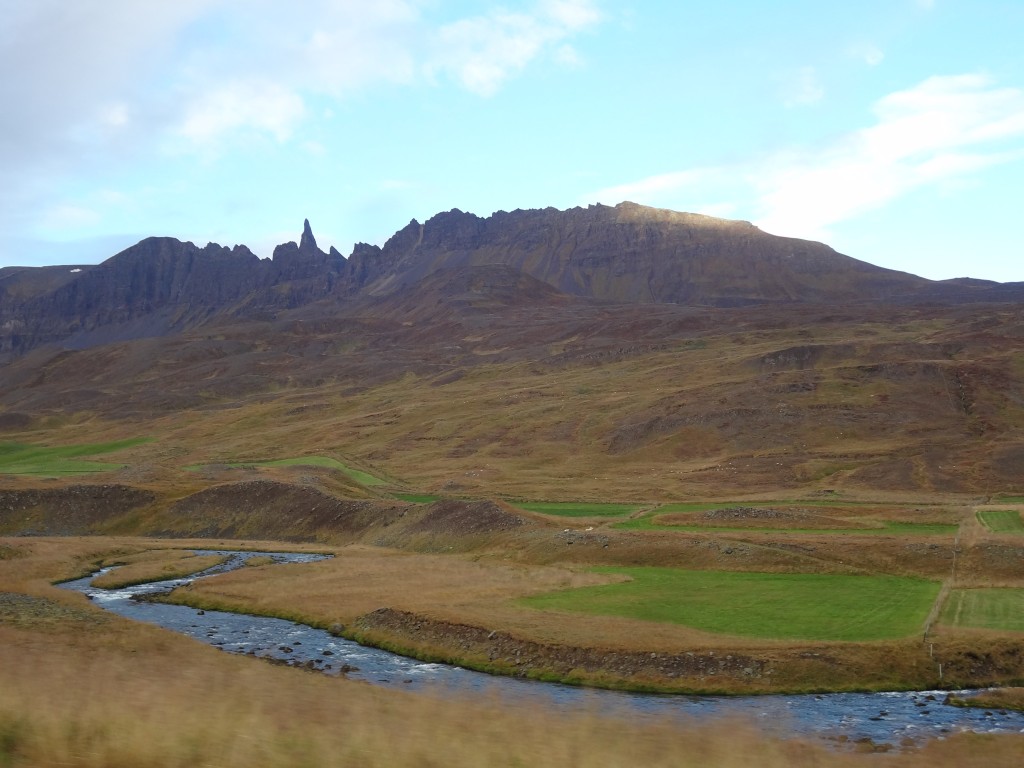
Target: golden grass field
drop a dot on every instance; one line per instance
(82, 688)
(858, 423)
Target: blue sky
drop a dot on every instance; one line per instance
(893, 130)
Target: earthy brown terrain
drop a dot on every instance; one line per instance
(596, 355)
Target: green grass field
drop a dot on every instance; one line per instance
(1002, 520)
(648, 523)
(56, 461)
(765, 605)
(577, 509)
(364, 478)
(417, 498)
(1001, 609)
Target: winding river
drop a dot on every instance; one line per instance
(884, 718)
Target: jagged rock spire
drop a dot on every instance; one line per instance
(308, 242)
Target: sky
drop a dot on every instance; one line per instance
(893, 130)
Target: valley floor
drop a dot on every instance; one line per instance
(79, 687)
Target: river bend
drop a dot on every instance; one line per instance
(884, 718)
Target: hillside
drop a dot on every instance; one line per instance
(600, 353)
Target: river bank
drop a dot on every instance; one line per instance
(888, 718)
(463, 612)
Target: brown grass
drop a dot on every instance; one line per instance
(613, 421)
(155, 565)
(458, 594)
(116, 693)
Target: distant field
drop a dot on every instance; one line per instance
(765, 605)
(364, 478)
(577, 509)
(56, 461)
(649, 523)
(417, 498)
(1002, 520)
(985, 608)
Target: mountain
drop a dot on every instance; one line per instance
(630, 254)
(158, 286)
(600, 352)
(627, 254)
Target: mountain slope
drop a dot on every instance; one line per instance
(627, 254)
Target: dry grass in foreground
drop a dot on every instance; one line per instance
(143, 703)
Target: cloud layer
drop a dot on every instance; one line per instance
(102, 84)
(939, 131)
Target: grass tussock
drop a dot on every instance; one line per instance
(156, 566)
(144, 709)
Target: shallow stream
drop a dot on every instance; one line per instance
(883, 718)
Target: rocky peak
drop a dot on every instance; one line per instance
(308, 242)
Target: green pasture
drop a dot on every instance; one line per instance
(704, 506)
(649, 523)
(991, 608)
(791, 606)
(56, 461)
(1002, 520)
(577, 509)
(364, 478)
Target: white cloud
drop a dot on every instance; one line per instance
(114, 115)
(263, 107)
(653, 187)
(191, 67)
(869, 53)
(484, 51)
(804, 88)
(939, 132)
(68, 216)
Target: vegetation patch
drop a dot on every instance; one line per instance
(1002, 520)
(157, 566)
(655, 522)
(364, 478)
(578, 509)
(765, 605)
(57, 461)
(417, 498)
(26, 611)
(10, 553)
(989, 608)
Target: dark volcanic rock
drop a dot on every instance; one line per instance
(157, 287)
(627, 254)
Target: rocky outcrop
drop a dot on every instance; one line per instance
(158, 286)
(626, 254)
(630, 254)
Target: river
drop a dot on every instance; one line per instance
(884, 718)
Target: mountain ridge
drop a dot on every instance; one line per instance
(626, 254)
